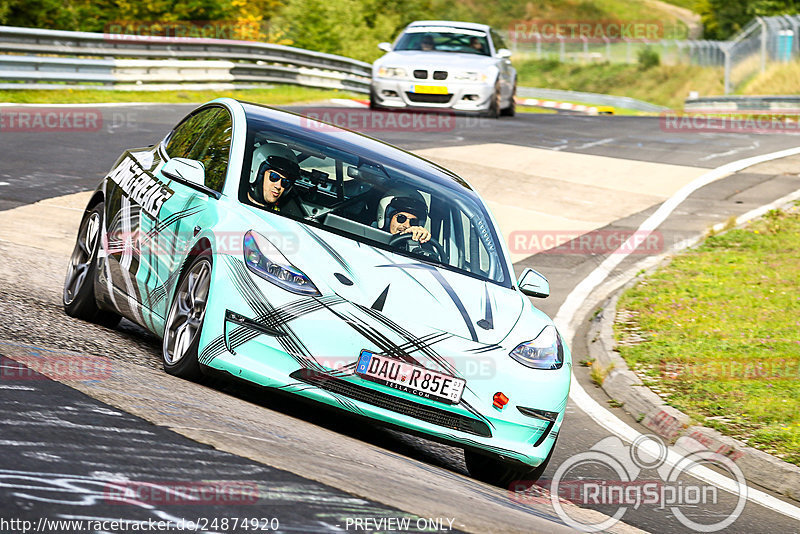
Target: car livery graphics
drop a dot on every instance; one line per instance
(173, 257)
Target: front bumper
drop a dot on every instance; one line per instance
(303, 345)
(457, 95)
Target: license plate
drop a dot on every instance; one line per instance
(410, 378)
(430, 89)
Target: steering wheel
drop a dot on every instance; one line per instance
(431, 246)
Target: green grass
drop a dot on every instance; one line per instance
(691, 5)
(778, 79)
(721, 326)
(665, 85)
(277, 96)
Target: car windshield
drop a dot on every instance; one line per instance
(350, 195)
(444, 39)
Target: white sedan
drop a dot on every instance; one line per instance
(443, 64)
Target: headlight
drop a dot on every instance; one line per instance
(544, 352)
(391, 72)
(470, 76)
(265, 260)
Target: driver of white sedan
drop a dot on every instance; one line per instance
(406, 215)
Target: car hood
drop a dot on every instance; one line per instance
(407, 291)
(413, 59)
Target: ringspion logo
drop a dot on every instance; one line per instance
(623, 485)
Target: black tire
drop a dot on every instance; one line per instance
(494, 106)
(185, 318)
(373, 104)
(78, 295)
(493, 470)
(511, 110)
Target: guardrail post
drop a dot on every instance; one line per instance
(763, 44)
(726, 51)
(561, 52)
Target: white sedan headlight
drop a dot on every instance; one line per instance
(391, 72)
(470, 76)
(544, 352)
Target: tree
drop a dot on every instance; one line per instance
(722, 19)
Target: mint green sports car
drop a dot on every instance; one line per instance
(295, 255)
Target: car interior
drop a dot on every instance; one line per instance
(346, 194)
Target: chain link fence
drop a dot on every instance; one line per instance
(764, 41)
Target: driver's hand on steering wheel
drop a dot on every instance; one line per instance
(418, 233)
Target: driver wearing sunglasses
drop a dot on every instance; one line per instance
(275, 176)
(407, 215)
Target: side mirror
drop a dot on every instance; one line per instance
(185, 169)
(386, 47)
(534, 284)
(503, 53)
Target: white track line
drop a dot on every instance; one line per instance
(567, 314)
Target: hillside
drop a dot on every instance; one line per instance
(666, 85)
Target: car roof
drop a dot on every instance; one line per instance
(304, 128)
(452, 23)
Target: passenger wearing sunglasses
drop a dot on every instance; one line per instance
(275, 176)
(406, 215)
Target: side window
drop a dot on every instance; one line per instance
(186, 135)
(213, 147)
(205, 137)
(498, 41)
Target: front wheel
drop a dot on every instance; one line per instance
(185, 319)
(78, 295)
(373, 101)
(511, 110)
(494, 106)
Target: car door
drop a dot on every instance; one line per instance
(204, 136)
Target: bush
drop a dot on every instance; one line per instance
(648, 58)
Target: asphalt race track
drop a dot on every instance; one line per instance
(66, 448)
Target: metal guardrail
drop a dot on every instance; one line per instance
(154, 60)
(589, 98)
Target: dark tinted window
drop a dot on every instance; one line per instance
(444, 39)
(205, 137)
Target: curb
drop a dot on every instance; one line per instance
(568, 106)
(650, 410)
